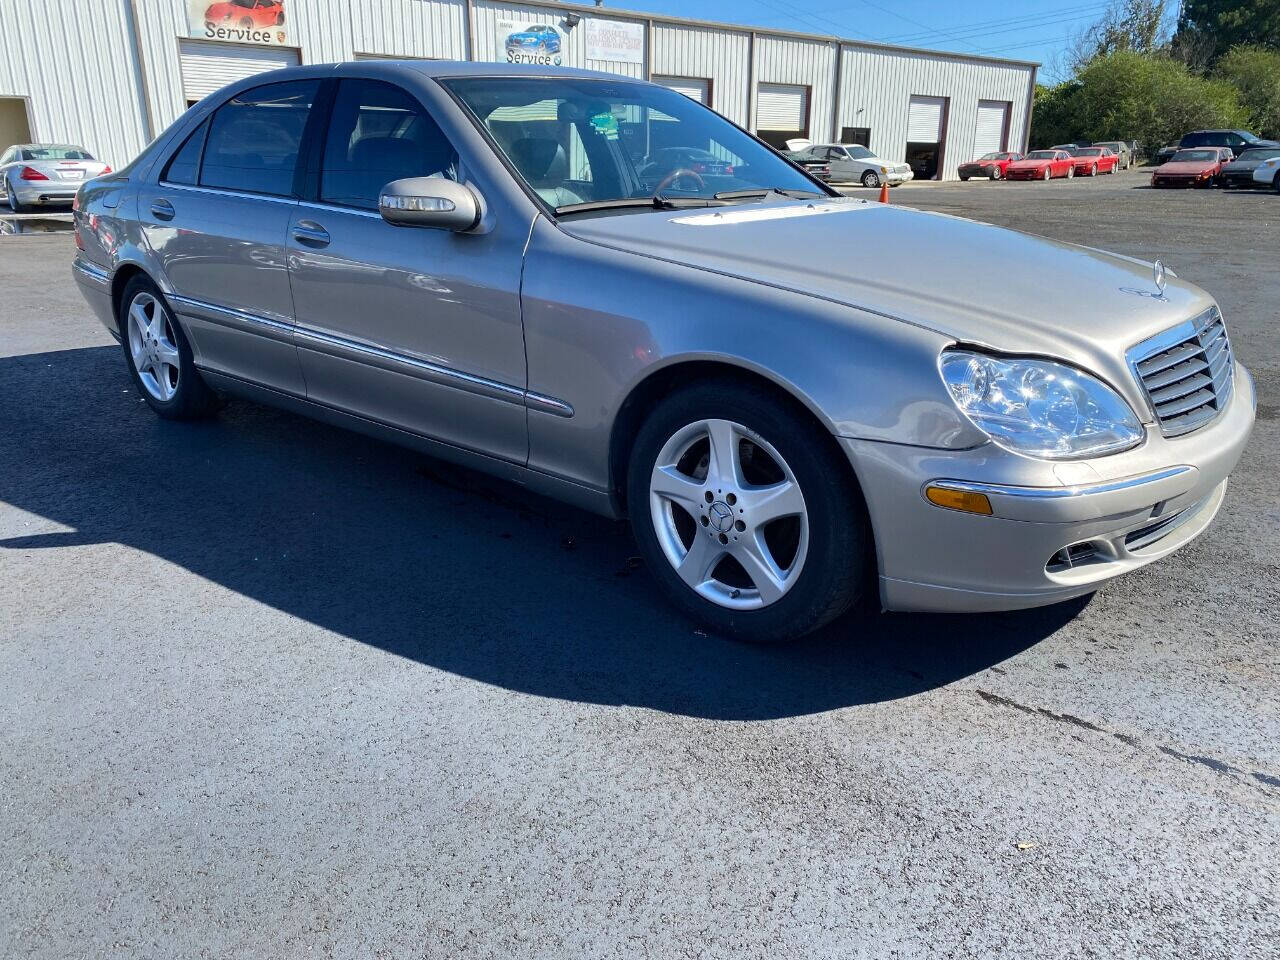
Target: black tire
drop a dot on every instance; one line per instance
(871, 179)
(993, 173)
(1048, 174)
(964, 177)
(832, 577)
(193, 399)
(12, 199)
(1275, 182)
(1093, 170)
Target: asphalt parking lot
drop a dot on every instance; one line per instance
(275, 690)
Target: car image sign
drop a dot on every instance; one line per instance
(530, 41)
(238, 21)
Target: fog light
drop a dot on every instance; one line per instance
(959, 500)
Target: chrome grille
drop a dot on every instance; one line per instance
(1186, 372)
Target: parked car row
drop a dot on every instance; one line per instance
(1219, 167)
(1065, 162)
(1237, 141)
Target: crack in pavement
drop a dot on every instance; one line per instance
(1212, 763)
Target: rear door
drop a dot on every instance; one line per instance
(217, 219)
(415, 328)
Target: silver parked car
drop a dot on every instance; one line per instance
(463, 258)
(851, 163)
(38, 174)
(1121, 148)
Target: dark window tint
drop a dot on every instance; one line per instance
(185, 165)
(378, 133)
(253, 139)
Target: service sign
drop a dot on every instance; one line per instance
(530, 41)
(616, 41)
(238, 21)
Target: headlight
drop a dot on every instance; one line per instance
(1039, 408)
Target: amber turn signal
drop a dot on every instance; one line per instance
(959, 500)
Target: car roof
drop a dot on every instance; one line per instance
(447, 68)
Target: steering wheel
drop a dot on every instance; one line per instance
(675, 175)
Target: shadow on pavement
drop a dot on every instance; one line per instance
(427, 561)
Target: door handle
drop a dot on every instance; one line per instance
(310, 234)
(162, 209)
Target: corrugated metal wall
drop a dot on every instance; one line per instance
(73, 60)
(716, 55)
(876, 87)
(810, 63)
(64, 57)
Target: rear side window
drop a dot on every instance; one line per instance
(185, 164)
(379, 133)
(254, 138)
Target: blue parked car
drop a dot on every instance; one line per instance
(539, 39)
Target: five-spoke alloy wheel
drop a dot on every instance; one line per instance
(746, 511)
(159, 356)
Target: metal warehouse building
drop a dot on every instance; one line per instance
(112, 74)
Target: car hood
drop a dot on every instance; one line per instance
(1028, 164)
(972, 282)
(1187, 166)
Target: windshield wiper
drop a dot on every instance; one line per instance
(652, 203)
(761, 192)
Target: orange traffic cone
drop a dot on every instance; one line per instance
(884, 193)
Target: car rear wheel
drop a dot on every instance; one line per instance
(745, 513)
(159, 357)
(871, 179)
(12, 199)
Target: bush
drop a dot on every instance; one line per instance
(1133, 96)
(1255, 72)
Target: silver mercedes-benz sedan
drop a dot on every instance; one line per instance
(465, 258)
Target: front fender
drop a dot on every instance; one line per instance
(600, 321)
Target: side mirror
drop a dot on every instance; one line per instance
(429, 202)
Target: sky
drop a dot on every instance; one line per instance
(1035, 30)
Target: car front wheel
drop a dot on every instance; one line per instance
(746, 514)
(871, 179)
(159, 357)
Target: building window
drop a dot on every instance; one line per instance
(858, 135)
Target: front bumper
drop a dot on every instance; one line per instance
(895, 177)
(1119, 513)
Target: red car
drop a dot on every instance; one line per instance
(1091, 161)
(989, 165)
(1042, 165)
(1200, 167)
(247, 13)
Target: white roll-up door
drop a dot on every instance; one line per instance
(207, 67)
(924, 121)
(781, 106)
(691, 87)
(992, 118)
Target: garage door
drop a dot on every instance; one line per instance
(207, 67)
(781, 106)
(691, 87)
(993, 115)
(924, 121)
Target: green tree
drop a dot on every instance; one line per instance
(1255, 72)
(1209, 28)
(1127, 95)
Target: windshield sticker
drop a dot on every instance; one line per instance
(606, 124)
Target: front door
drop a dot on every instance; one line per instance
(414, 328)
(217, 219)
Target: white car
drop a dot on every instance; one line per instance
(851, 163)
(1267, 173)
(37, 174)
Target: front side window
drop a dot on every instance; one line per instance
(575, 141)
(379, 133)
(254, 139)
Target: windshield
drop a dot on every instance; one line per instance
(584, 141)
(1185, 156)
(1265, 153)
(1042, 155)
(1088, 152)
(992, 156)
(859, 153)
(56, 153)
